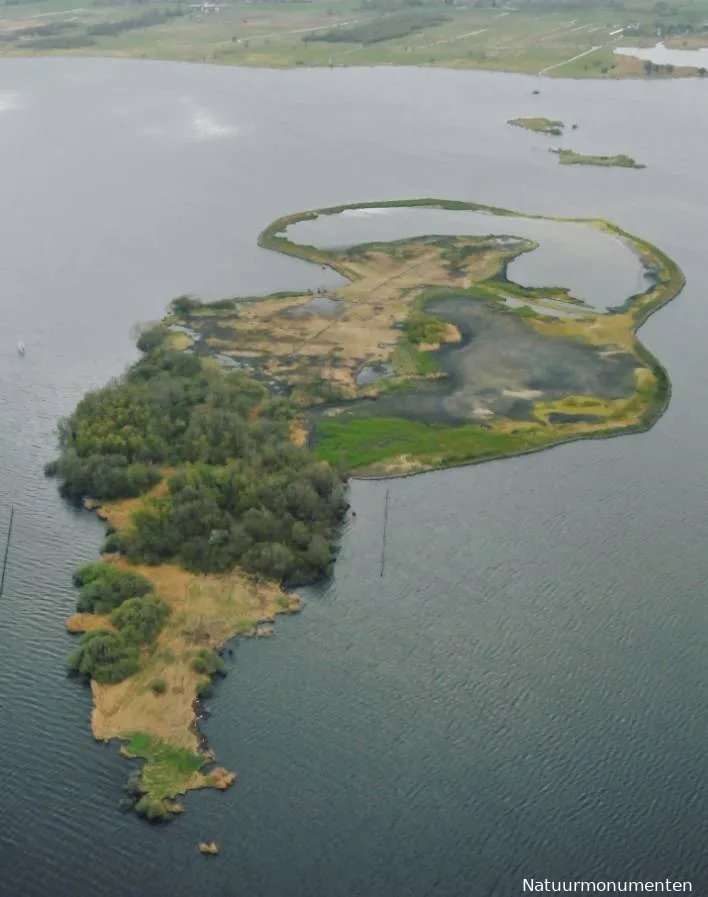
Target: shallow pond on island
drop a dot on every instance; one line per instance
(595, 266)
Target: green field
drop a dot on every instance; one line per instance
(570, 157)
(538, 36)
(539, 125)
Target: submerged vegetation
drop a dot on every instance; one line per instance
(570, 157)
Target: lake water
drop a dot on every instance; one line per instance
(660, 54)
(595, 266)
(524, 692)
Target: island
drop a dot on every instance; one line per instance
(570, 157)
(209, 848)
(212, 508)
(219, 460)
(540, 125)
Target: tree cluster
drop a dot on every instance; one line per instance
(239, 493)
(106, 656)
(385, 27)
(140, 620)
(146, 20)
(277, 518)
(652, 68)
(208, 663)
(422, 328)
(105, 588)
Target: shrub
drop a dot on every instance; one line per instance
(319, 389)
(104, 657)
(154, 809)
(184, 305)
(112, 544)
(158, 686)
(86, 573)
(240, 484)
(422, 328)
(204, 688)
(151, 339)
(208, 663)
(106, 591)
(140, 620)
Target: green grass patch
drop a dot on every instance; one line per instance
(570, 157)
(361, 442)
(167, 772)
(408, 360)
(540, 125)
(524, 311)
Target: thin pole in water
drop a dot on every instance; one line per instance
(383, 542)
(7, 549)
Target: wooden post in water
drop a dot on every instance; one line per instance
(7, 550)
(383, 542)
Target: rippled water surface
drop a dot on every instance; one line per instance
(523, 693)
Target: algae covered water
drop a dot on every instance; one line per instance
(523, 693)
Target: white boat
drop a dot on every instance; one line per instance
(21, 348)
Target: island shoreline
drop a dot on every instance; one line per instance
(668, 283)
(272, 238)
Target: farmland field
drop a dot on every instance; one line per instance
(553, 38)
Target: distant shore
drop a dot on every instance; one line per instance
(550, 43)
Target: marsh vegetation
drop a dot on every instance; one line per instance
(570, 157)
(434, 312)
(213, 497)
(540, 125)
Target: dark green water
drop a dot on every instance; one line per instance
(524, 692)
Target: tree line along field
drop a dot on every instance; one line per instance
(554, 37)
